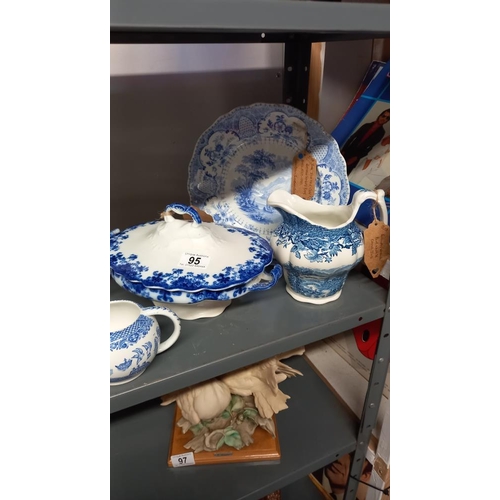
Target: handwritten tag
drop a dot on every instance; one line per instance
(377, 250)
(182, 460)
(304, 175)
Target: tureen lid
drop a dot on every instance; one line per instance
(188, 255)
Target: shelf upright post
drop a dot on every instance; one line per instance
(371, 406)
(296, 72)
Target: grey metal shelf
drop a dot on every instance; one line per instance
(314, 431)
(258, 325)
(254, 327)
(303, 489)
(248, 15)
(240, 18)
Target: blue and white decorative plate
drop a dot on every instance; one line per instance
(248, 153)
(187, 255)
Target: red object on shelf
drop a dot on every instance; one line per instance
(367, 336)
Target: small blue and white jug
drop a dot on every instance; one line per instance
(134, 338)
(318, 245)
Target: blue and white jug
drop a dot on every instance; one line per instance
(134, 338)
(318, 245)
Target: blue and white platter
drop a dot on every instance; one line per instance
(248, 153)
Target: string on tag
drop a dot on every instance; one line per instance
(374, 210)
(376, 239)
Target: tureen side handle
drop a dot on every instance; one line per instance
(269, 279)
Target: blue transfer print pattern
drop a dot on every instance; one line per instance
(131, 268)
(148, 346)
(182, 297)
(213, 164)
(141, 356)
(328, 186)
(316, 243)
(123, 339)
(251, 196)
(317, 284)
(135, 371)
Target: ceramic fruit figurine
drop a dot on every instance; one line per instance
(234, 427)
(227, 410)
(261, 380)
(209, 399)
(318, 245)
(200, 402)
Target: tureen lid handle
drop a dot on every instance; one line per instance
(178, 208)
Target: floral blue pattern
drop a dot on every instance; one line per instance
(259, 255)
(317, 243)
(248, 153)
(182, 297)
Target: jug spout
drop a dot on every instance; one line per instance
(326, 216)
(283, 201)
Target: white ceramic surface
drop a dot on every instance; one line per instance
(204, 309)
(319, 245)
(135, 338)
(188, 255)
(248, 153)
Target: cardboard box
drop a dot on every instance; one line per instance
(357, 347)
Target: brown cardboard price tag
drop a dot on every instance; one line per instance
(304, 175)
(377, 251)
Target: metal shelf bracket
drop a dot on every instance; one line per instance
(296, 73)
(371, 406)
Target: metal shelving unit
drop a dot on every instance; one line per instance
(304, 448)
(254, 327)
(259, 325)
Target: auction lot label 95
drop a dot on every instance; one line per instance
(194, 260)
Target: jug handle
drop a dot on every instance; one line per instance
(381, 203)
(377, 195)
(162, 311)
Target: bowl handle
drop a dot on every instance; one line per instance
(269, 279)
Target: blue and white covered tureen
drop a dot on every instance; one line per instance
(190, 262)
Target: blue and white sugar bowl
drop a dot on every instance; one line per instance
(134, 338)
